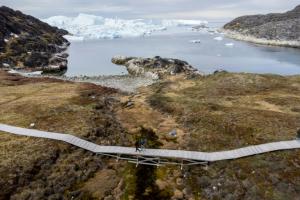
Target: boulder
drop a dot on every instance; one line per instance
(156, 67)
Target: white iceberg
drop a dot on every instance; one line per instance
(91, 27)
(218, 38)
(229, 44)
(183, 22)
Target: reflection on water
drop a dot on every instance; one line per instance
(94, 57)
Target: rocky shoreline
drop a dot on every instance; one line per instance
(124, 83)
(248, 38)
(280, 29)
(142, 72)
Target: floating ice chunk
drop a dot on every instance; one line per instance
(195, 41)
(229, 44)
(74, 38)
(182, 22)
(218, 38)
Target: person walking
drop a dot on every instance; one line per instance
(142, 143)
(137, 146)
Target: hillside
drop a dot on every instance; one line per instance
(276, 28)
(30, 44)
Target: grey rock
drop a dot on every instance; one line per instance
(173, 133)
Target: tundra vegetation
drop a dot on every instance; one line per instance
(209, 113)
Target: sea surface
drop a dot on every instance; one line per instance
(93, 57)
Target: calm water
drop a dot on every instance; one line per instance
(94, 57)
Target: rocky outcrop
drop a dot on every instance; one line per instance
(275, 29)
(30, 44)
(156, 67)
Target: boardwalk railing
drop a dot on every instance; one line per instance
(156, 156)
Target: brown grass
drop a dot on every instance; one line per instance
(51, 167)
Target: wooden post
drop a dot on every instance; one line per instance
(137, 161)
(181, 166)
(118, 157)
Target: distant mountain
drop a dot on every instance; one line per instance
(278, 29)
(30, 44)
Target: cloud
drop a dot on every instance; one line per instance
(191, 9)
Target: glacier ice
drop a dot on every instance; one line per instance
(91, 27)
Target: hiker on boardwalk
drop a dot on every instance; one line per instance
(137, 145)
(143, 142)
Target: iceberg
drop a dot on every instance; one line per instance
(182, 22)
(218, 38)
(91, 27)
(229, 44)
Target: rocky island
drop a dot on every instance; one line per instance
(27, 43)
(156, 67)
(282, 29)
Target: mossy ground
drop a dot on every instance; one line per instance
(226, 111)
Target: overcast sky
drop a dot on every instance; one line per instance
(175, 9)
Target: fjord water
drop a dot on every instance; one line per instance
(93, 57)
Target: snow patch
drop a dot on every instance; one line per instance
(36, 73)
(5, 65)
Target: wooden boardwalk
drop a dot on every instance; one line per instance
(156, 156)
